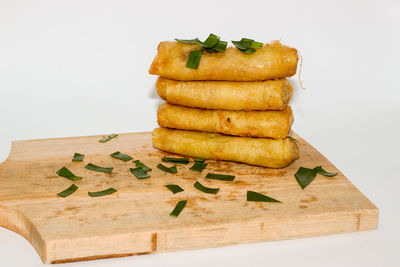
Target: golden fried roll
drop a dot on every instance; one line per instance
(273, 153)
(265, 95)
(272, 124)
(272, 61)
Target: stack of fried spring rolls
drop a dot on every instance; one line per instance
(233, 107)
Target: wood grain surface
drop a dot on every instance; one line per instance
(135, 220)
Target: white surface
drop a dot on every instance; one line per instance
(70, 68)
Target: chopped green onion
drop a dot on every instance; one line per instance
(102, 193)
(176, 160)
(64, 172)
(121, 156)
(211, 41)
(174, 188)
(325, 173)
(199, 160)
(257, 197)
(204, 189)
(139, 173)
(219, 47)
(108, 138)
(166, 169)
(194, 59)
(305, 176)
(247, 45)
(68, 191)
(190, 41)
(178, 208)
(93, 167)
(198, 166)
(140, 164)
(78, 157)
(221, 177)
(257, 45)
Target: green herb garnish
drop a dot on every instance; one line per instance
(198, 166)
(108, 138)
(219, 47)
(174, 188)
(305, 176)
(102, 193)
(221, 177)
(190, 41)
(325, 173)
(176, 160)
(78, 157)
(247, 45)
(140, 164)
(204, 189)
(211, 44)
(139, 173)
(257, 197)
(68, 191)
(64, 172)
(193, 61)
(199, 160)
(167, 169)
(93, 167)
(178, 208)
(121, 156)
(211, 41)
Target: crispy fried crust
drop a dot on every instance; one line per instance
(272, 124)
(272, 61)
(256, 151)
(265, 95)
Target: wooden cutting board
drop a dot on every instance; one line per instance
(136, 220)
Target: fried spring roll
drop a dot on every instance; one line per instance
(272, 61)
(256, 151)
(265, 95)
(272, 124)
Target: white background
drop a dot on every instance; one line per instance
(73, 68)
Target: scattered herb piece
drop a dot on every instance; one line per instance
(176, 160)
(219, 47)
(64, 172)
(102, 193)
(198, 166)
(140, 164)
(305, 176)
(121, 156)
(221, 177)
(211, 44)
(167, 169)
(257, 197)
(247, 45)
(68, 191)
(193, 61)
(204, 189)
(108, 138)
(93, 167)
(174, 188)
(139, 173)
(178, 208)
(199, 160)
(190, 41)
(325, 173)
(211, 41)
(78, 157)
